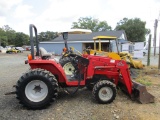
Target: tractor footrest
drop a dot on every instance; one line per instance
(71, 78)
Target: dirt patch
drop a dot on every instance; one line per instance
(150, 77)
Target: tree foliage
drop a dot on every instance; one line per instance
(21, 39)
(3, 38)
(92, 24)
(47, 36)
(8, 36)
(134, 28)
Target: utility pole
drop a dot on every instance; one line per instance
(155, 35)
(149, 50)
(159, 44)
(159, 54)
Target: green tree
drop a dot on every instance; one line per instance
(10, 33)
(134, 28)
(3, 38)
(6, 28)
(21, 39)
(3, 41)
(92, 24)
(47, 36)
(8, 36)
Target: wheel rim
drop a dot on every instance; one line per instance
(68, 68)
(105, 93)
(36, 91)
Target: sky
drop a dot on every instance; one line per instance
(58, 15)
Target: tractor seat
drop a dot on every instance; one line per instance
(44, 54)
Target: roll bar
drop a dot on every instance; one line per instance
(31, 26)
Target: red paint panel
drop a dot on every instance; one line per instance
(50, 65)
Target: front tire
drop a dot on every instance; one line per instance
(36, 89)
(104, 92)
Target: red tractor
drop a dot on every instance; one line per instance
(39, 87)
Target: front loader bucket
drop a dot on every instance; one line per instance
(141, 94)
(137, 64)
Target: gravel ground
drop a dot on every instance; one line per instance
(78, 107)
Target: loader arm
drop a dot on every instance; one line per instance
(134, 89)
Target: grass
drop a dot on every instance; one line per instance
(148, 76)
(151, 70)
(144, 82)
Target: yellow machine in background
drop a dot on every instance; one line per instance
(103, 51)
(133, 63)
(114, 55)
(108, 52)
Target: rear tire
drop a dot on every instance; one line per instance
(36, 89)
(67, 65)
(104, 92)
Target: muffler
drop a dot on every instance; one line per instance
(141, 94)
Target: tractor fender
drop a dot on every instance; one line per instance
(49, 65)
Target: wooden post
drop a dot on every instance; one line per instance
(99, 45)
(159, 54)
(117, 46)
(94, 44)
(149, 49)
(155, 35)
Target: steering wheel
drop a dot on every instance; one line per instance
(67, 52)
(79, 59)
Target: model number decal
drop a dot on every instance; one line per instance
(120, 64)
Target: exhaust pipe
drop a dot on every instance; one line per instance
(141, 94)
